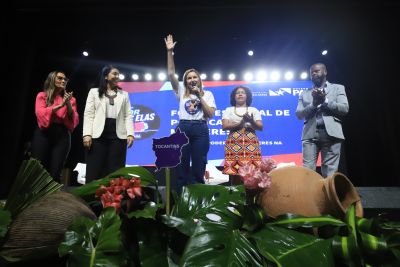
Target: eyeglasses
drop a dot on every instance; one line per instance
(62, 78)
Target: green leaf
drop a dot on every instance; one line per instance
(5, 220)
(294, 221)
(184, 225)
(152, 242)
(89, 243)
(291, 248)
(31, 183)
(149, 211)
(216, 244)
(210, 203)
(347, 248)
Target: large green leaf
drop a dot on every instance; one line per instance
(183, 225)
(291, 248)
(89, 243)
(216, 244)
(210, 203)
(31, 183)
(89, 189)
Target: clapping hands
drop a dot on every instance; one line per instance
(67, 97)
(318, 96)
(248, 120)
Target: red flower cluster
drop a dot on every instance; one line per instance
(113, 195)
(254, 178)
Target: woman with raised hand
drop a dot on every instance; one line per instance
(196, 106)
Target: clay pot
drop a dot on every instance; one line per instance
(301, 191)
(39, 229)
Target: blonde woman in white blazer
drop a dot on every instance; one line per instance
(107, 126)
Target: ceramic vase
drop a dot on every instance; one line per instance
(302, 191)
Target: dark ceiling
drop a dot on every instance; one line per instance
(211, 35)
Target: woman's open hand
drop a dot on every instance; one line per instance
(169, 42)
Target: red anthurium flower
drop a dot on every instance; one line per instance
(113, 195)
(101, 190)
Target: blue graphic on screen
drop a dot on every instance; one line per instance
(155, 114)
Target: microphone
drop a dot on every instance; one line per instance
(193, 83)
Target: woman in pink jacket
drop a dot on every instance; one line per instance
(57, 117)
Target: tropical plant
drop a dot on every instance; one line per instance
(215, 226)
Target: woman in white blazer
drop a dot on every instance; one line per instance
(107, 126)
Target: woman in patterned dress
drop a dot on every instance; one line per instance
(242, 145)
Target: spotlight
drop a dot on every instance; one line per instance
(303, 75)
(289, 75)
(250, 53)
(324, 52)
(135, 77)
(275, 75)
(216, 76)
(261, 75)
(231, 76)
(162, 76)
(121, 77)
(85, 53)
(248, 76)
(203, 76)
(148, 77)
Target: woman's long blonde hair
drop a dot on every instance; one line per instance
(49, 87)
(187, 89)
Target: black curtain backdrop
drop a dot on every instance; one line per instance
(363, 56)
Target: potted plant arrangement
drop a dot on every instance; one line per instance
(209, 225)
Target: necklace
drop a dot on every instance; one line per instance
(234, 111)
(111, 98)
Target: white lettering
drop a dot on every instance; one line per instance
(215, 122)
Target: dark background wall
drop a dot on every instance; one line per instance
(43, 35)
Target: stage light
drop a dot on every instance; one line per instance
(261, 75)
(216, 76)
(231, 76)
(275, 75)
(248, 76)
(121, 77)
(289, 75)
(324, 52)
(303, 75)
(176, 75)
(250, 53)
(162, 76)
(203, 76)
(85, 53)
(135, 77)
(148, 77)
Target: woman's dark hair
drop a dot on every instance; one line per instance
(249, 95)
(102, 82)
